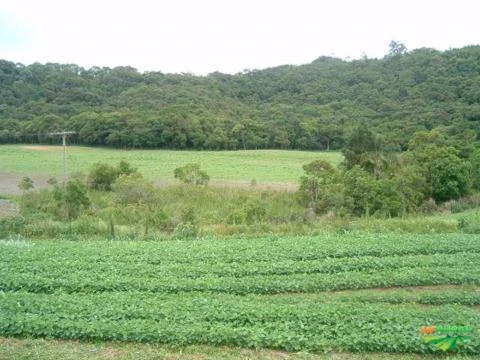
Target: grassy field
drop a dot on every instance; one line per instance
(328, 293)
(271, 166)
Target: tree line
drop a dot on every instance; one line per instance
(316, 106)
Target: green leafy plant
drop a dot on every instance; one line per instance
(272, 292)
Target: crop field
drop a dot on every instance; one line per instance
(331, 292)
(272, 166)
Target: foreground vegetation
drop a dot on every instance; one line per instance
(270, 292)
(40, 349)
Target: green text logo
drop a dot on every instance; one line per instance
(445, 337)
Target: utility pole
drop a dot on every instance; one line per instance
(64, 143)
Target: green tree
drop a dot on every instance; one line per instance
(361, 189)
(412, 184)
(475, 165)
(389, 201)
(319, 187)
(450, 175)
(363, 148)
(318, 174)
(299, 107)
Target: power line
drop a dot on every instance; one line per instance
(64, 143)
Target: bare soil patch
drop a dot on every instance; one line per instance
(9, 182)
(40, 147)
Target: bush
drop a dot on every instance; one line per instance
(38, 203)
(124, 168)
(26, 184)
(102, 177)
(255, 212)
(470, 224)
(71, 199)
(191, 174)
(236, 217)
(185, 231)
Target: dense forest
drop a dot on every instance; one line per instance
(314, 106)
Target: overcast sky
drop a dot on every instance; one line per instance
(203, 36)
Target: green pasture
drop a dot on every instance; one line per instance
(267, 166)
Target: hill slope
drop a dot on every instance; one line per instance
(313, 106)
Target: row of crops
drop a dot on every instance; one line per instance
(324, 293)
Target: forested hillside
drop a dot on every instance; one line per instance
(313, 106)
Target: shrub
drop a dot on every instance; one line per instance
(124, 168)
(25, 184)
(52, 181)
(38, 203)
(470, 224)
(191, 174)
(186, 231)
(236, 217)
(102, 176)
(255, 212)
(71, 199)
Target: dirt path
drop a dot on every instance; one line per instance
(9, 182)
(41, 147)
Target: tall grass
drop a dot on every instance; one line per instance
(192, 211)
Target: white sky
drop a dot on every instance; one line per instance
(229, 36)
